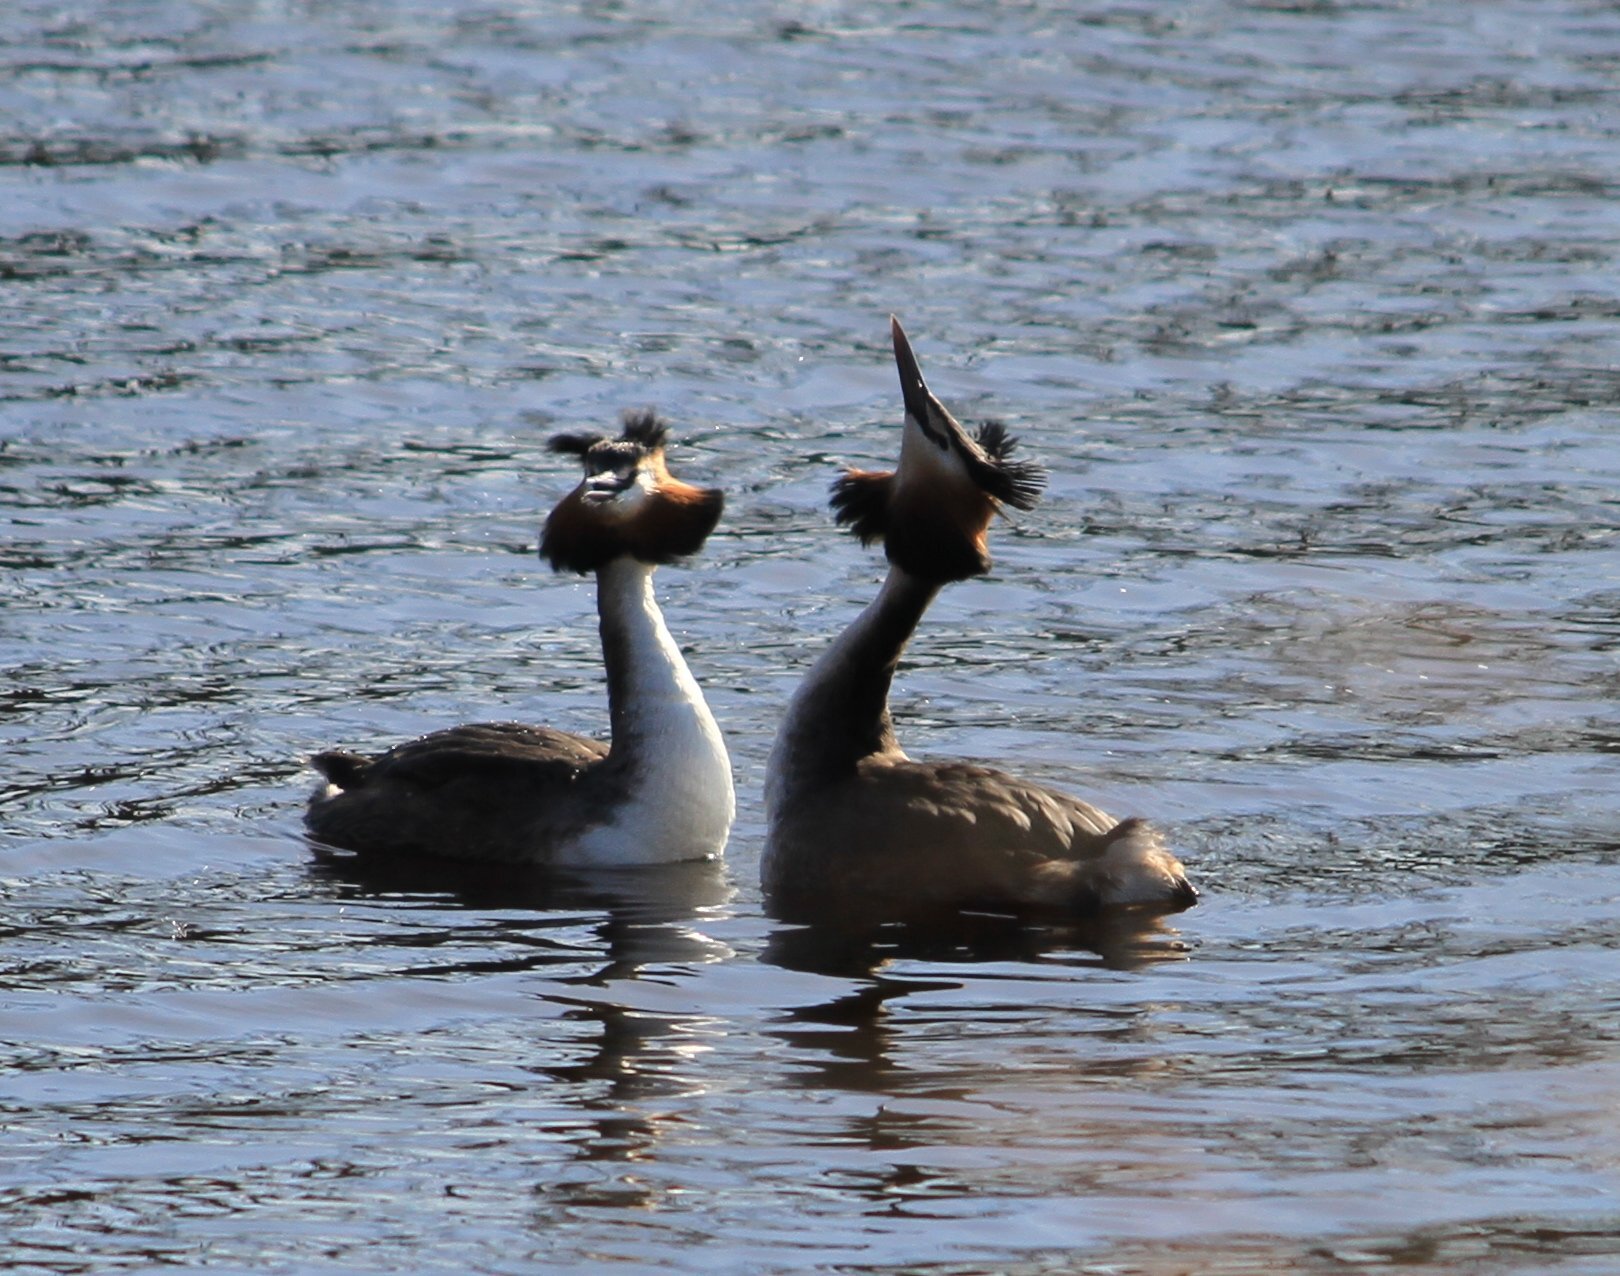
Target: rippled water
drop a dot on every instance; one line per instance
(1310, 309)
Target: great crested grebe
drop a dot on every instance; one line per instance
(856, 826)
(506, 792)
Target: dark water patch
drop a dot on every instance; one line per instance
(60, 151)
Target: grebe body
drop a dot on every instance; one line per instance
(661, 791)
(856, 826)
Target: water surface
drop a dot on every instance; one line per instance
(1309, 309)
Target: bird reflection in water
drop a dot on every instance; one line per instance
(646, 914)
(853, 1037)
(922, 1111)
(646, 930)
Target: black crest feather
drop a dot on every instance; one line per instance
(573, 444)
(1017, 483)
(644, 426)
(860, 502)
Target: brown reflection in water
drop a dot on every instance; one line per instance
(1587, 1243)
(660, 891)
(1120, 940)
(851, 1038)
(618, 1129)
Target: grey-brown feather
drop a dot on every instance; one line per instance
(490, 791)
(918, 836)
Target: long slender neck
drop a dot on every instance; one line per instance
(646, 673)
(840, 713)
(666, 788)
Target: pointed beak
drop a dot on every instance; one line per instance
(605, 485)
(931, 416)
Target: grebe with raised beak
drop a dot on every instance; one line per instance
(502, 791)
(854, 826)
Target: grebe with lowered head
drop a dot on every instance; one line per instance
(502, 791)
(857, 827)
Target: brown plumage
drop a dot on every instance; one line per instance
(585, 530)
(857, 827)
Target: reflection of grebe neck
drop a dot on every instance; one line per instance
(840, 713)
(664, 736)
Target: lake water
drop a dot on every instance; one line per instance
(1310, 309)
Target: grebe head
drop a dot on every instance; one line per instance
(628, 504)
(933, 511)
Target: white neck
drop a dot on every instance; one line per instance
(679, 801)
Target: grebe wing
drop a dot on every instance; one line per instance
(1046, 849)
(956, 833)
(493, 750)
(498, 791)
(1036, 846)
(978, 802)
